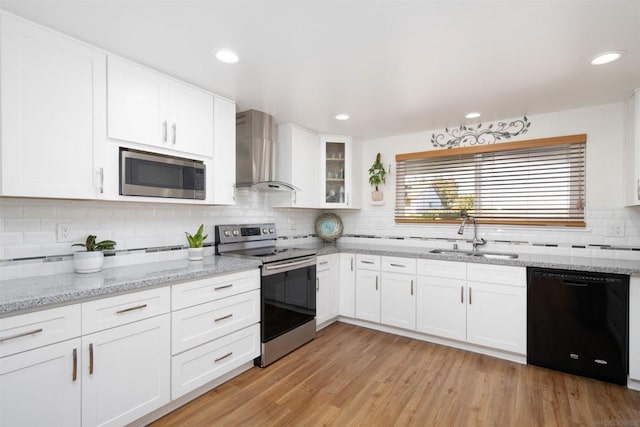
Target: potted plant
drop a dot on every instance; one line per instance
(377, 176)
(195, 243)
(91, 259)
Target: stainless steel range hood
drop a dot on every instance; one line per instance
(256, 138)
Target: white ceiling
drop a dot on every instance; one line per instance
(395, 66)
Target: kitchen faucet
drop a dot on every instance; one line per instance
(475, 242)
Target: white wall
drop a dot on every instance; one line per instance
(604, 184)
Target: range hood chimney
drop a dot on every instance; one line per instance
(256, 139)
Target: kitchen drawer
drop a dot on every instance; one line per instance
(212, 288)
(398, 265)
(205, 322)
(446, 269)
(327, 262)
(368, 262)
(498, 274)
(37, 329)
(207, 362)
(122, 309)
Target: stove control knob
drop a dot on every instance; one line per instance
(265, 231)
(271, 230)
(235, 232)
(226, 233)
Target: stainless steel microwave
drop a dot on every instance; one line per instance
(158, 175)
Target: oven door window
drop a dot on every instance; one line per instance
(289, 300)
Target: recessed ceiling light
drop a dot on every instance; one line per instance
(473, 115)
(342, 117)
(606, 57)
(226, 55)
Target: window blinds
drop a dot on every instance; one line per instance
(537, 182)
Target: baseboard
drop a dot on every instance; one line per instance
(513, 357)
(633, 384)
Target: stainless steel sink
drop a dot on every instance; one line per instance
(491, 255)
(450, 252)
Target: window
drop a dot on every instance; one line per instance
(536, 182)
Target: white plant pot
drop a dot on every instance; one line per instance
(195, 254)
(88, 262)
(377, 195)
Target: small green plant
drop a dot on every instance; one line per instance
(377, 173)
(91, 245)
(196, 240)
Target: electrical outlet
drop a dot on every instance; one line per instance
(615, 229)
(64, 231)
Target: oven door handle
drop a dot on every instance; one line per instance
(289, 265)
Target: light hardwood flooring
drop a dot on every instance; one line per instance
(352, 376)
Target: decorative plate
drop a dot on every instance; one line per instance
(329, 227)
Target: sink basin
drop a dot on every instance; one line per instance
(491, 255)
(495, 255)
(450, 252)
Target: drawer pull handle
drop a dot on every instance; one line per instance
(137, 307)
(397, 265)
(223, 287)
(22, 334)
(228, 316)
(223, 357)
(366, 262)
(91, 359)
(323, 263)
(74, 374)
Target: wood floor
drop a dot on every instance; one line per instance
(359, 377)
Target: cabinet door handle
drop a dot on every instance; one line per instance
(223, 287)
(101, 180)
(137, 307)
(461, 294)
(347, 199)
(223, 357)
(376, 283)
(22, 334)
(317, 285)
(91, 359)
(74, 374)
(164, 131)
(411, 287)
(351, 263)
(228, 316)
(174, 130)
(470, 296)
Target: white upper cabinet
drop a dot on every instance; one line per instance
(53, 102)
(335, 170)
(147, 107)
(224, 152)
(632, 150)
(297, 165)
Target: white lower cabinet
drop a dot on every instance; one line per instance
(482, 304)
(368, 295)
(41, 387)
(347, 305)
(200, 365)
(398, 292)
(126, 372)
(327, 288)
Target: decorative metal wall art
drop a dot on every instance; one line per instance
(467, 135)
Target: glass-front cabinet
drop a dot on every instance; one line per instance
(336, 171)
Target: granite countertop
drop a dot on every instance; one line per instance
(32, 293)
(602, 265)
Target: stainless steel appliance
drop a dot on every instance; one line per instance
(288, 293)
(157, 175)
(256, 152)
(577, 322)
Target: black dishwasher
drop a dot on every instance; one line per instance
(578, 322)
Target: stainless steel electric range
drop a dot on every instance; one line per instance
(288, 292)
